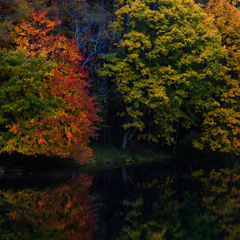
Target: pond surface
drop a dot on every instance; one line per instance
(128, 202)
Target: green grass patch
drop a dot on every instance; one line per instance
(140, 152)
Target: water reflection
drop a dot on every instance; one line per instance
(135, 202)
(211, 212)
(63, 212)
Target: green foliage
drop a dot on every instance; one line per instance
(221, 125)
(45, 101)
(167, 64)
(22, 85)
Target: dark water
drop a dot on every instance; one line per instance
(128, 202)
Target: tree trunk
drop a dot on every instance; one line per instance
(102, 5)
(114, 16)
(176, 139)
(61, 12)
(85, 6)
(127, 136)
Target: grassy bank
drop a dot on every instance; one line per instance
(112, 156)
(139, 152)
(102, 155)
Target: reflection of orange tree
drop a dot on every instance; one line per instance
(65, 212)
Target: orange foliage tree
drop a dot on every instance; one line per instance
(222, 124)
(64, 126)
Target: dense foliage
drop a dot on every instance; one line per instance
(169, 65)
(162, 70)
(222, 125)
(44, 98)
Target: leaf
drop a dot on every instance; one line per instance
(44, 89)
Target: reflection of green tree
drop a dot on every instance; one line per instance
(65, 212)
(210, 213)
(221, 196)
(168, 220)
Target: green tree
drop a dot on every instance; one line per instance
(221, 126)
(166, 66)
(22, 85)
(47, 111)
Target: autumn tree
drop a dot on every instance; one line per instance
(44, 97)
(166, 67)
(86, 22)
(11, 12)
(221, 126)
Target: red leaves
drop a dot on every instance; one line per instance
(64, 131)
(33, 35)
